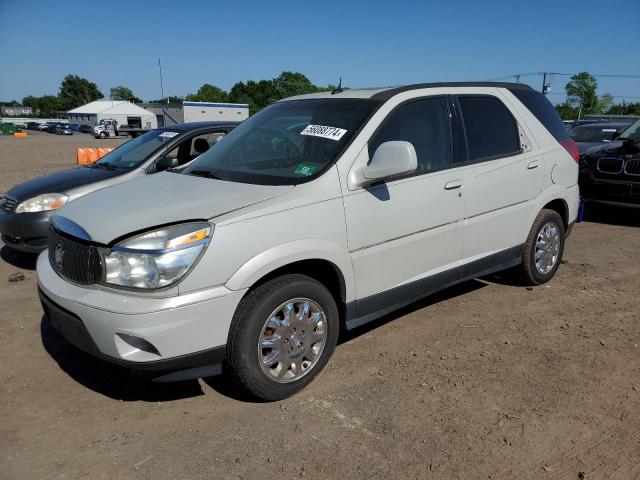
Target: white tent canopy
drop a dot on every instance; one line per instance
(122, 111)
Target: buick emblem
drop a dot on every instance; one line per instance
(58, 255)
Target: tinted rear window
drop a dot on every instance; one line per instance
(490, 128)
(541, 107)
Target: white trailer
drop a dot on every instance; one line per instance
(211, 112)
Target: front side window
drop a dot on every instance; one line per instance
(424, 124)
(287, 143)
(134, 152)
(490, 128)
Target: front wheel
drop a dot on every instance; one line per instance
(282, 336)
(102, 135)
(543, 248)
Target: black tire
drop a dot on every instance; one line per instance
(102, 135)
(530, 273)
(241, 360)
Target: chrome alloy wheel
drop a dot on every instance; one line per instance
(547, 248)
(292, 340)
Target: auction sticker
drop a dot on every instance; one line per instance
(323, 131)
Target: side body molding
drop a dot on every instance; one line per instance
(290, 252)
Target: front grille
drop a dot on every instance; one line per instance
(75, 261)
(632, 167)
(610, 165)
(8, 204)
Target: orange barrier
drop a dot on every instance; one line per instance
(20, 134)
(86, 156)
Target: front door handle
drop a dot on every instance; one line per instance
(532, 165)
(453, 185)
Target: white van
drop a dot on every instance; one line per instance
(320, 213)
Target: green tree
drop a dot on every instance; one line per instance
(169, 99)
(44, 107)
(624, 108)
(208, 93)
(288, 84)
(124, 93)
(12, 103)
(566, 111)
(76, 91)
(581, 93)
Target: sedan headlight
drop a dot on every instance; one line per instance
(43, 203)
(158, 258)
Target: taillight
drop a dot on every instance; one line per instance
(571, 147)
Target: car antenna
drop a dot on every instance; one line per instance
(339, 88)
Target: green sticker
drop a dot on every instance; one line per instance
(305, 169)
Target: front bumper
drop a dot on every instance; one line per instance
(612, 192)
(167, 338)
(26, 232)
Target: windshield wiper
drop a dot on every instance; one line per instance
(205, 173)
(106, 165)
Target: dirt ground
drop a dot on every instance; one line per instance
(489, 379)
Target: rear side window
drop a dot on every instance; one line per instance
(490, 128)
(423, 123)
(541, 107)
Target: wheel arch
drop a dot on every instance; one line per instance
(560, 206)
(320, 260)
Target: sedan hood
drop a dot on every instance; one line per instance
(161, 199)
(60, 182)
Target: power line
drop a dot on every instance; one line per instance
(610, 75)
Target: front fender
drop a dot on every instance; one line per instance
(282, 255)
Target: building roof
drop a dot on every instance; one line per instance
(110, 107)
(385, 93)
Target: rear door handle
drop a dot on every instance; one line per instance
(532, 165)
(453, 185)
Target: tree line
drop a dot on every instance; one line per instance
(76, 91)
(582, 98)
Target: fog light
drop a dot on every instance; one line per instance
(139, 343)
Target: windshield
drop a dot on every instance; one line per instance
(632, 132)
(593, 134)
(134, 152)
(287, 143)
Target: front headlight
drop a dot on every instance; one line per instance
(158, 258)
(43, 203)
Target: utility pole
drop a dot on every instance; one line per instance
(544, 83)
(161, 86)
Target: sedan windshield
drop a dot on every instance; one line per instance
(133, 153)
(632, 132)
(287, 143)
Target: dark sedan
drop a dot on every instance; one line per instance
(26, 208)
(595, 134)
(610, 173)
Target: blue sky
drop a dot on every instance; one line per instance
(367, 43)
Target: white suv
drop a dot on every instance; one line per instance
(320, 213)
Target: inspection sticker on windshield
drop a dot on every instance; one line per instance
(305, 169)
(332, 133)
(168, 134)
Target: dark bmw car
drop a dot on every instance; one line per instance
(595, 134)
(610, 173)
(26, 208)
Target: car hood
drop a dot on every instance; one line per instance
(584, 146)
(161, 199)
(60, 182)
(618, 148)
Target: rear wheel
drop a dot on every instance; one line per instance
(544, 247)
(282, 336)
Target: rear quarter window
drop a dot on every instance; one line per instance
(541, 107)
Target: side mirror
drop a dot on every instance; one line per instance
(391, 159)
(165, 163)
